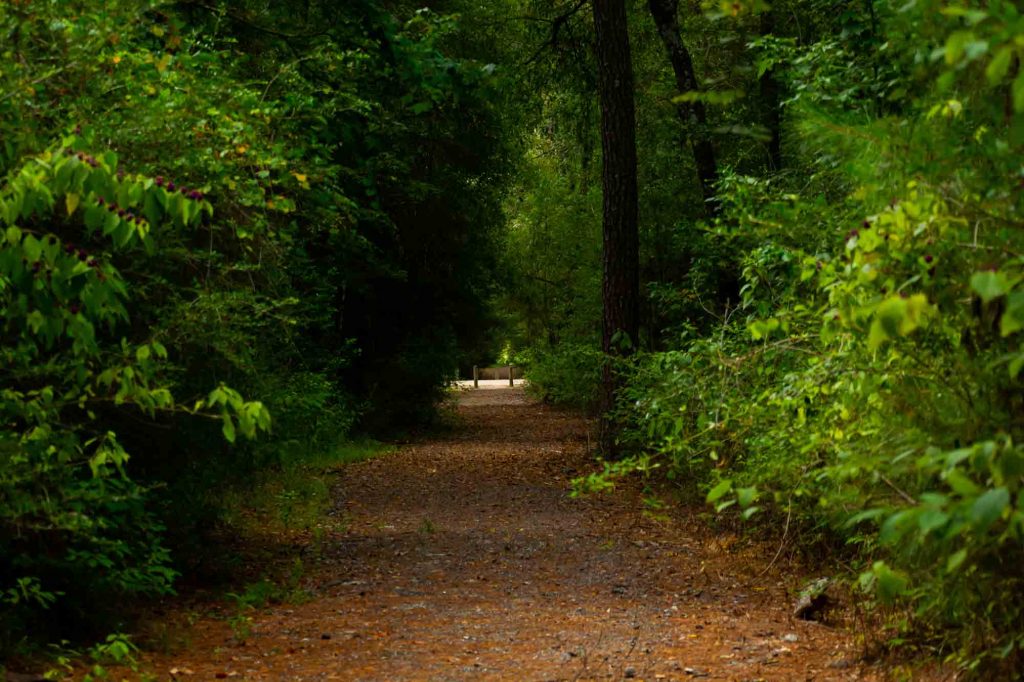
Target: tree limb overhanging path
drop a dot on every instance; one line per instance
(464, 557)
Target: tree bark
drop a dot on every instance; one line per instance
(621, 282)
(693, 114)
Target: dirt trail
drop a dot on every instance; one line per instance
(465, 558)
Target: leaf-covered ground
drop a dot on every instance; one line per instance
(464, 557)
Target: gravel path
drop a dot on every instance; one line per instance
(465, 558)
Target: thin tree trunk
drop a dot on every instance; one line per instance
(770, 101)
(621, 285)
(693, 114)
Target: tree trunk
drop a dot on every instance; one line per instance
(770, 101)
(621, 284)
(693, 114)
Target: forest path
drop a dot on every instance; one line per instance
(465, 558)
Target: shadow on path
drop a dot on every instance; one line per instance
(466, 558)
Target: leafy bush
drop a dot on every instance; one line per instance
(568, 374)
(868, 387)
(73, 523)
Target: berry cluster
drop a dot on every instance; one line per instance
(194, 194)
(83, 157)
(83, 256)
(123, 214)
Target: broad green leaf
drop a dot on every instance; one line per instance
(1012, 320)
(746, 496)
(932, 519)
(32, 247)
(890, 584)
(95, 216)
(71, 202)
(956, 45)
(959, 483)
(1000, 65)
(989, 285)
(718, 491)
(987, 509)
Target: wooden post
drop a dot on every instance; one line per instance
(510, 383)
(476, 377)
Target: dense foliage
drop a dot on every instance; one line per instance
(838, 351)
(216, 219)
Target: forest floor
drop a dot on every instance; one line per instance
(463, 556)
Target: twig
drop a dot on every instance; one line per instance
(906, 498)
(782, 543)
(556, 25)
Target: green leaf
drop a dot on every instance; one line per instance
(229, 428)
(890, 584)
(32, 247)
(110, 222)
(932, 519)
(897, 316)
(866, 515)
(1016, 365)
(71, 202)
(894, 527)
(1012, 320)
(987, 509)
(956, 560)
(95, 216)
(718, 491)
(989, 285)
(1000, 65)
(956, 45)
(961, 484)
(746, 496)
(35, 321)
